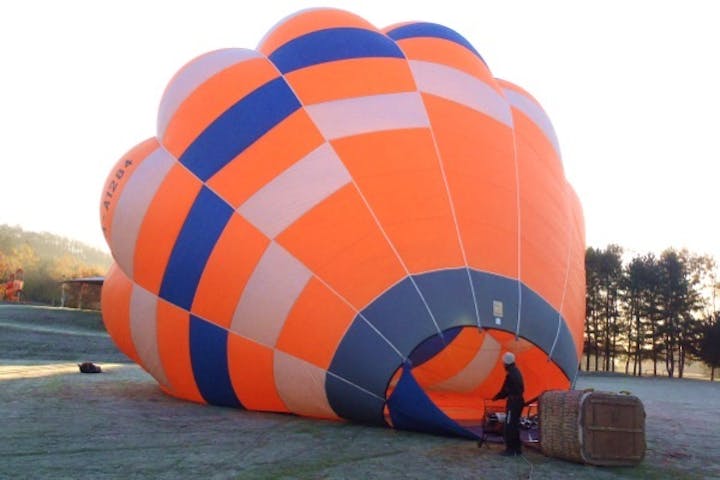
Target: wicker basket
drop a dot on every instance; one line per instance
(598, 428)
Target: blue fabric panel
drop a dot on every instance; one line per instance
(411, 409)
(432, 346)
(564, 354)
(400, 315)
(538, 320)
(205, 222)
(239, 127)
(488, 288)
(354, 404)
(423, 29)
(332, 44)
(448, 294)
(208, 354)
(365, 359)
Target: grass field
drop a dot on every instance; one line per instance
(56, 423)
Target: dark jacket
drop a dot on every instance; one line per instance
(513, 386)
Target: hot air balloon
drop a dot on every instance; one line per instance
(346, 223)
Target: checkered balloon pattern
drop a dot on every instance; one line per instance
(340, 207)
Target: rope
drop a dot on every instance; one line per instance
(532, 467)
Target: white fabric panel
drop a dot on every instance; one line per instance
(143, 330)
(133, 204)
(460, 87)
(295, 191)
(193, 75)
(375, 113)
(301, 386)
(533, 111)
(476, 371)
(270, 293)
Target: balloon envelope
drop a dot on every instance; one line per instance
(346, 223)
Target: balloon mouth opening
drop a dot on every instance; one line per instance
(451, 378)
(456, 369)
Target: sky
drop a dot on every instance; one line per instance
(632, 89)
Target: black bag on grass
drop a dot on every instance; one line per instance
(89, 367)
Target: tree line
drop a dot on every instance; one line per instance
(47, 260)
(648, 311)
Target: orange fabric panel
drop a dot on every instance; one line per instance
(489, 227)
(574, 310)
(578, 218)
(543, 276)
(351, 78)
(539, 373)
(173, 337)
(527, 132)
(227, 271)
(286, 143)
(117, 180)
(452, 359)
(477, 153)
(212, 98)
(446, 52)
(405, 189)
(315, 325)
(339, 241)
(162, 223)
(466, 407)
(310, 21)
(251, 373)
(574, 305)
(115, 305)
(544, 226)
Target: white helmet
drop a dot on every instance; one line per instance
(508, 358)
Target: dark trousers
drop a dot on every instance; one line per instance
(511, 433)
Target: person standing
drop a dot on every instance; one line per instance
(512, 389)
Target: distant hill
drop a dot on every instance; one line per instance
(46, 260)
